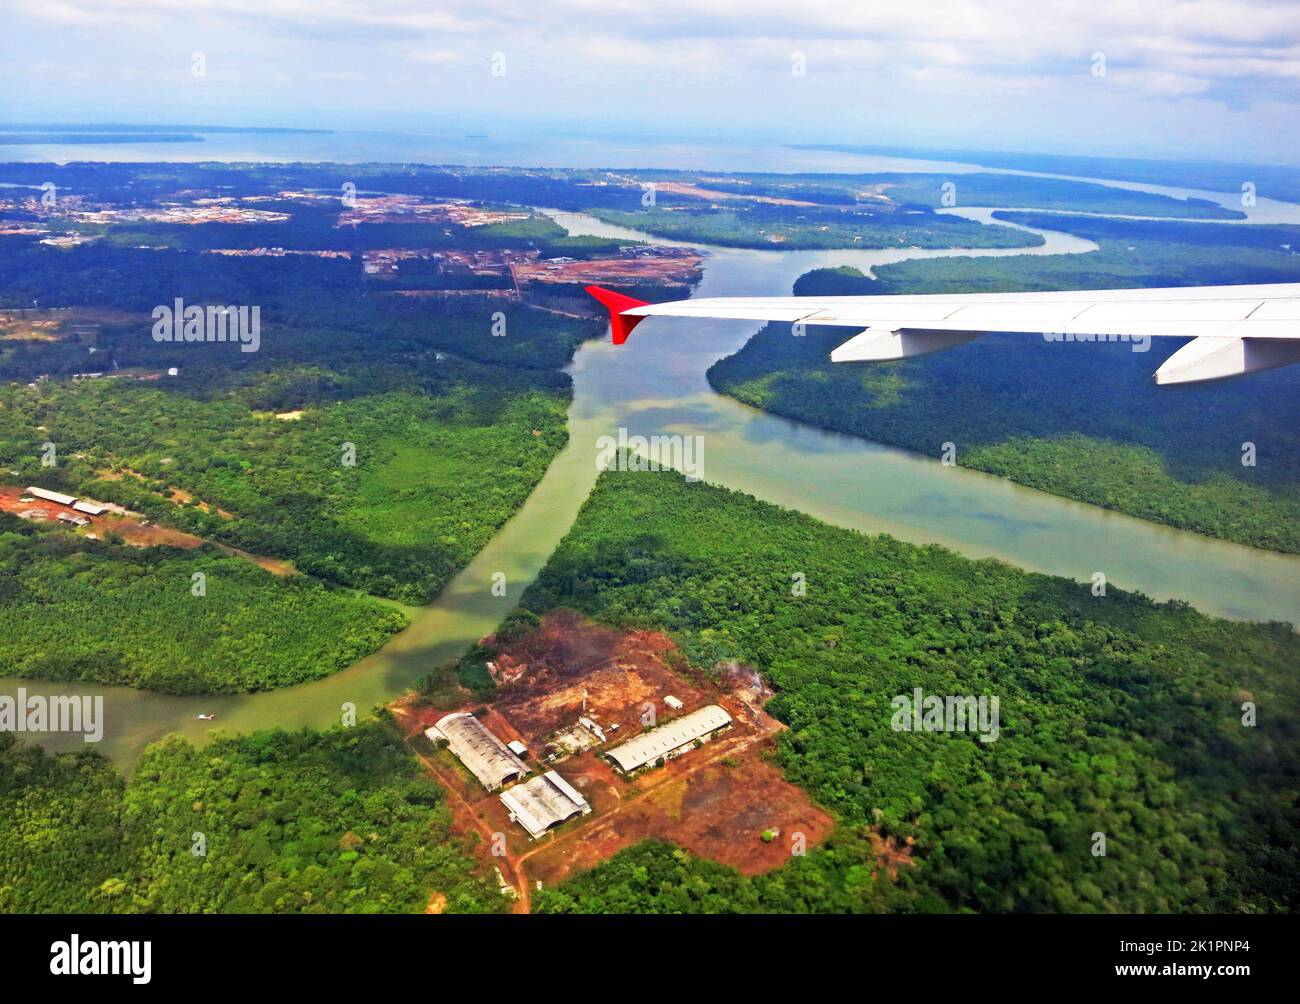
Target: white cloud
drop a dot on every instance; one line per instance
(1175, 46)
(438, 57)
(949, 64)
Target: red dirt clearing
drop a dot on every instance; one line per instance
(131, 529)
(716, 801)
(718, 809)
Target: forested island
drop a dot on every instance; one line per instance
(764, 226)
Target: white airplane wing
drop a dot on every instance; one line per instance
(1234, 329)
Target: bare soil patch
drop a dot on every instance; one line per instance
(716, 801)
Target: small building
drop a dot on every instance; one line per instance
(670, 740)
(67, 517)
(544, 803)
(90, 508)
(50, 496)
(517, 748)
(673, 702)
(487, 757)
(592, 727)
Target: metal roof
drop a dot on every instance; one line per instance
(487, 757)
(659, 742)
(49, 496)
(543, 802)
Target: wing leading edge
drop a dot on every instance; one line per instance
(1234, 329)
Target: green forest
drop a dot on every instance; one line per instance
(1272, 181)
(433, 474)
(374, 441)
(1118, 715)
(415, 425)
(1074, 419)
(337, 822)
(751, 224)
(72, 608)
(970, 189)
(377, 440)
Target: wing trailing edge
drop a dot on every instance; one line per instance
(1234, 330)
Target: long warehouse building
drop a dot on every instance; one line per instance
(487, 757)
(543, 803)
(49, 496)
(670, 740)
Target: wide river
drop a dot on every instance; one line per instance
(655, 384)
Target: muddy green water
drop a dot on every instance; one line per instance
(655, 384)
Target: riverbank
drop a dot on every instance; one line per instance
(655, 384)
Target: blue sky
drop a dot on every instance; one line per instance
(1217, 79)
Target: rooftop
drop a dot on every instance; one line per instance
(666, 738)
(544, 802)
(487, 757)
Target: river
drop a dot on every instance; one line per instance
(656, 384)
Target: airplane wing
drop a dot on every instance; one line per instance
(1234, 329)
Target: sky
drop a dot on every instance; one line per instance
(1208, 79)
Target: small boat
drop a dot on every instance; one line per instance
(205, 717)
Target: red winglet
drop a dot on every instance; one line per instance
(619, 326)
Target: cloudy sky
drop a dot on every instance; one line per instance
(1217, 79)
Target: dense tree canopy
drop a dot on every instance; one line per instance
(336, 822)
(1118, 715)
(78, 609)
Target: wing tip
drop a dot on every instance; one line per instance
(620, 326)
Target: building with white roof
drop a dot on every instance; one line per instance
(49, 496)
(544, 803)
(487, 757)
(669, 740)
